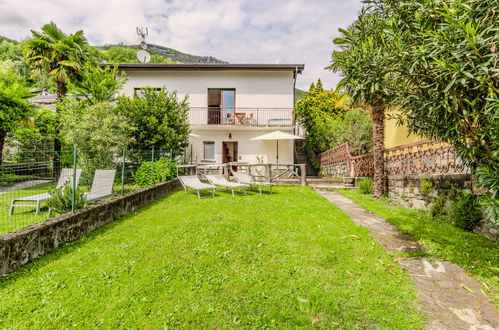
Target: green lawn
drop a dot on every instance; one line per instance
(285, 260)
(23, 216)
(473, 252)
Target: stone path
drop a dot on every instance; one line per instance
(21, 185)
(451, 299)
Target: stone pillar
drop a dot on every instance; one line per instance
(303, 175)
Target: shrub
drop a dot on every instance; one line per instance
(464, 211)
(425, 187)
(61, 199)
(366, 186)
(438, 209)
(9, 179)
(162, 170)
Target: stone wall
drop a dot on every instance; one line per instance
(22, 246)
(406, 190)
(337, 170)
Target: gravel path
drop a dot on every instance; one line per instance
(21, 185)
(451, 299)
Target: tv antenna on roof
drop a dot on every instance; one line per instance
(143, 55)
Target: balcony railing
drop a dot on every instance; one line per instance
(248, 117)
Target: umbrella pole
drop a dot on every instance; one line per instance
(277, 155)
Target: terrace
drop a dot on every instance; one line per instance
(242, 117)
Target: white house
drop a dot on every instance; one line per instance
(229, 105)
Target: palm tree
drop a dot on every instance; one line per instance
(367, 79)
(59, 55)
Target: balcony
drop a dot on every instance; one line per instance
(242, 117)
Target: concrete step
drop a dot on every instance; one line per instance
(326, 187)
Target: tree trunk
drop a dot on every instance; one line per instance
(378, 117)
(61, 93)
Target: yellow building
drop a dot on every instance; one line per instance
(396, 135)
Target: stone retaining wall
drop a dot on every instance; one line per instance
(407, 191)
(335, 170)
(22, 246)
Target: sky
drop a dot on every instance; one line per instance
(237, 31)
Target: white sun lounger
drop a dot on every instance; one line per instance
(246, 178)
(193, 182)
(221, 181)
(102, 185)
(66, 177)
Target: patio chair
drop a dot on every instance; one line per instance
(246, 178)
(66, 177)
(193, 182)
(102, 185)
(221, 181)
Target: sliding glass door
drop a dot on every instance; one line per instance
(221, 106)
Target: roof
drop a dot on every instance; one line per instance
(207, 67)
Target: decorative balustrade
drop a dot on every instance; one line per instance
(428, 156)
(249, 117)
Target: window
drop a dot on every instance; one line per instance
(209, 150)
(137, 91)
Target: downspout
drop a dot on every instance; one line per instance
(295, 74)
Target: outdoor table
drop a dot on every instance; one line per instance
(240, 117)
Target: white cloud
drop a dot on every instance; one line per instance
(239, 31)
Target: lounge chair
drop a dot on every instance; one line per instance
(221, 181)
(66, 177)
(193, 182)
(246, 178)
(102, 185)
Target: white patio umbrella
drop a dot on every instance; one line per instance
(277, 135)
(194, 136)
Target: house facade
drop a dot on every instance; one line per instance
(229, 105)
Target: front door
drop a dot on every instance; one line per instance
(229, 152)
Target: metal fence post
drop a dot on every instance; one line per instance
(123, 171)
(73, 190)
(152, 166)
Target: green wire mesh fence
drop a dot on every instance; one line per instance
(38, 185)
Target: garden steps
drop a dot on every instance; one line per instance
(327, 183)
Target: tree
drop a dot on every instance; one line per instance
(14, 105)
(97, 130)
(38, 132)
(60, 55)
(355, 128)
(445, 55)
(57, 53)
(365, 66)
(98, 84)
(159, 117)
(317, 112)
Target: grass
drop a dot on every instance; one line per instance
(25, 216)
(286, 260)
(473, 252)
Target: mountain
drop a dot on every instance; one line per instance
(299, 94)
(2, 38)
(170, 53)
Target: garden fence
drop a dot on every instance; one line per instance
(31, 181)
